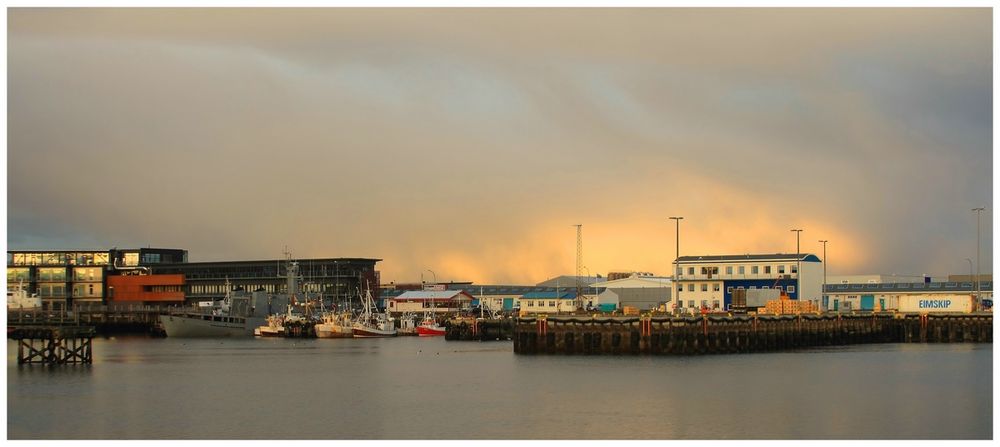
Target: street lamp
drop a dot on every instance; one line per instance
(971, 278)
(824, 269)
(677, 273)
(435, 275)
(979, 212)
(798, 265)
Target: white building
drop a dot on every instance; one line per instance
(709, 281)
(548, 302)
(643, 292)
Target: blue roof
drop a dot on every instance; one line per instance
(550, 295)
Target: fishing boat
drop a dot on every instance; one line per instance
(335, 325)
(429, 327)
(20, 300)
(407, 324)
(274, 328)
(371, 323)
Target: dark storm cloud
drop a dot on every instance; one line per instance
(467, 141)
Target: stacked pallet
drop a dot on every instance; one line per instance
(786, 306)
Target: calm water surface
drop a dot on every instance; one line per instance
(417, 388)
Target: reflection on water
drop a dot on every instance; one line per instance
(417, 388)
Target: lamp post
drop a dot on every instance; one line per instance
(824, 269)
(677, 273)
(798, 265)
(971, 278)
(434, 275)
(979, 212)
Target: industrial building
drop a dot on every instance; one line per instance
(885, 296)
(64, 277)
(436, 301)
(162, 276)
(709, 281)
(639, 291)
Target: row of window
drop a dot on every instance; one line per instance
(742, 269)
(704, 303)
(55, 274)
(531, 303)
(791, 289)
(89, 258)
(715, 288)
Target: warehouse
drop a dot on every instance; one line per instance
(886, 296)
(642, 292)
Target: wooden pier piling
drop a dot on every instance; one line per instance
(720, 334)
(54, 345)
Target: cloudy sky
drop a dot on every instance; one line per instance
(469, 141)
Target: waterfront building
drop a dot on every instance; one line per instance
(885, 296)
(548, 302)
(64, 277)
(336, 280)
(640, 291)
(709, 281)
(437, 301)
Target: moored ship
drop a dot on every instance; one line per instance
(371, 323)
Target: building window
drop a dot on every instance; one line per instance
(690, 303)
(767, 269)
(552, 304)
(715, 287)
(791, 289)
(704, 287)
(741, 269)
(794, 268)
(530, 303)
(729, 270)
(765, 287)
(690, 287)
(781, 269)
(753, 269)
(704, 303)
(690, 270)
(715, 304)
(729, 289)
(741, 288)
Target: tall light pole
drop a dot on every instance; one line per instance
(677, 273)
(432, 273)
(971, 278)
(798, 266)
(823, 294)
(979, 212)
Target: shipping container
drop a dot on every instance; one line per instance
(867, 302)
(936, 303)
(606, 307)
(760, 297)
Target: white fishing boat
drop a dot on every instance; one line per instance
(335, 325)
(372, 323)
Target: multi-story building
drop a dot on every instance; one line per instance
(63, 277)
(709, 281)
(336, 280)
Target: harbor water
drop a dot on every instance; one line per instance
(428, 388)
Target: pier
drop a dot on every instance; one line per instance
(721, 334)
(105, 319)
(54, 345)
(479, 329)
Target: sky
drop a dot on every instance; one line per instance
(468, 142)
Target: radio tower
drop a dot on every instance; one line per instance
(579, 265)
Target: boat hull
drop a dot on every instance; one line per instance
(430, 331)
(181, 326)
(364, 332)
(333, 331)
